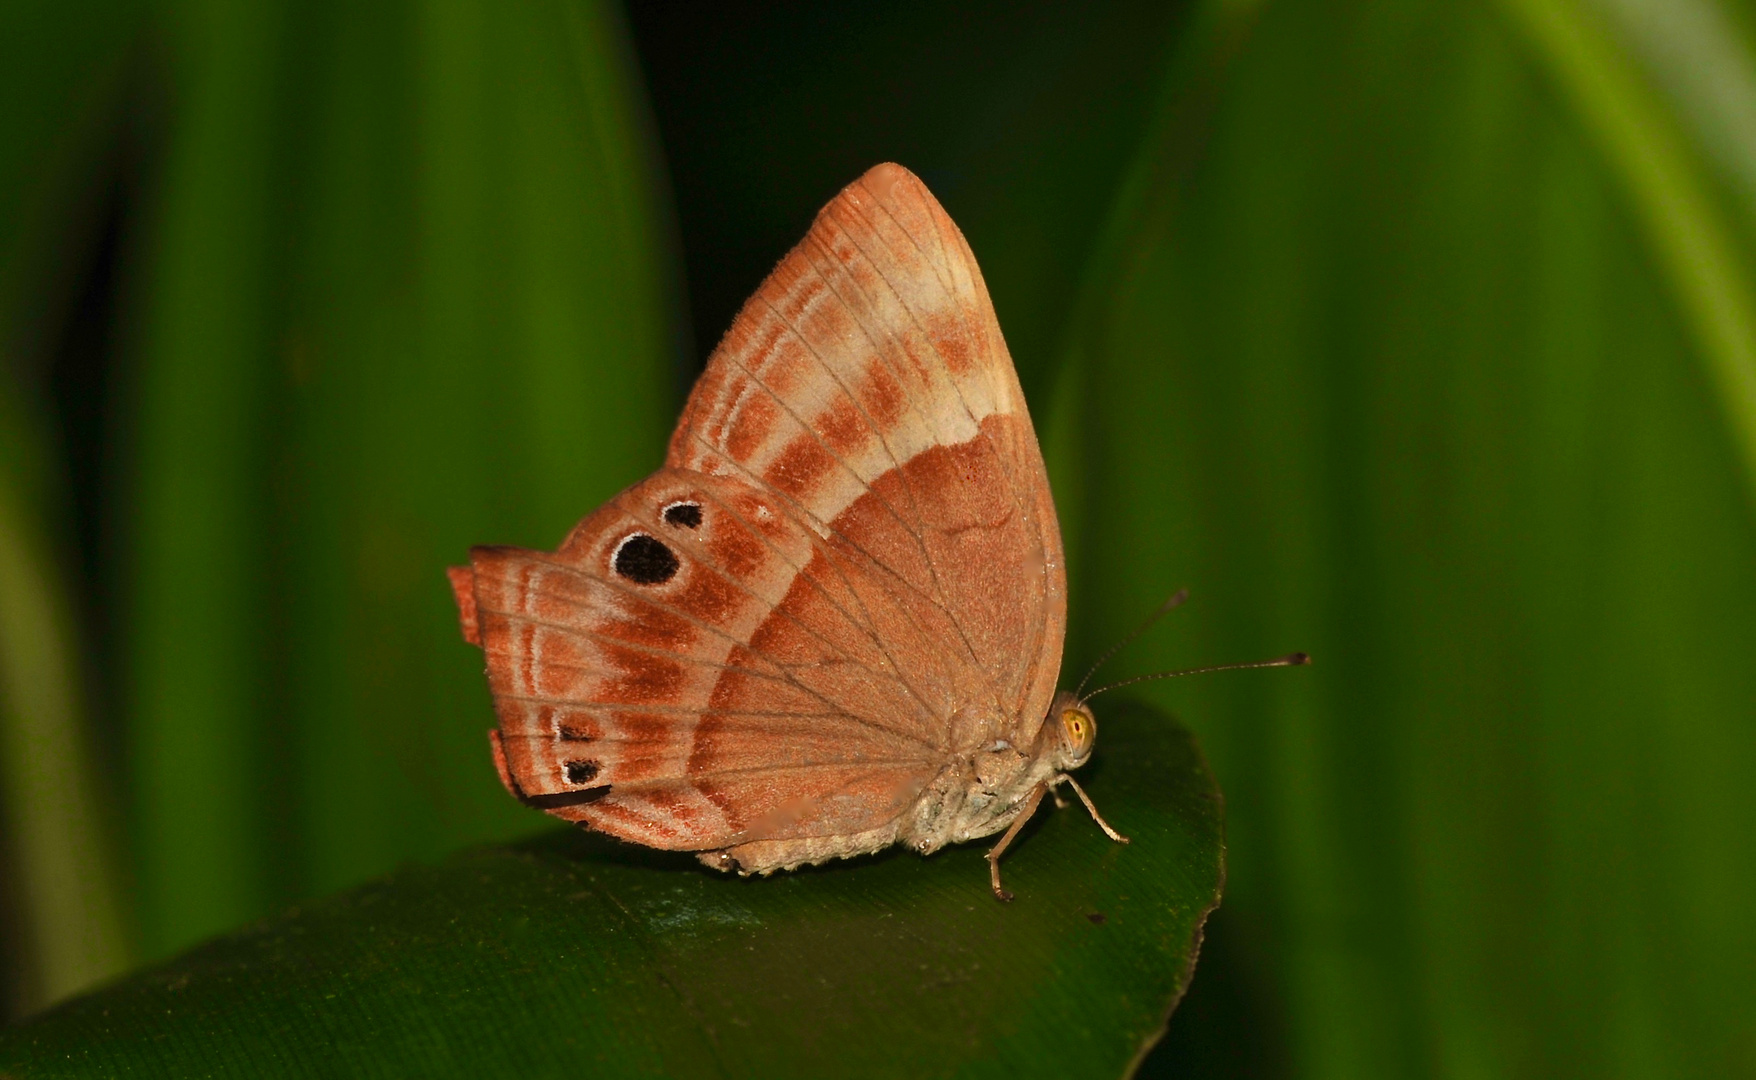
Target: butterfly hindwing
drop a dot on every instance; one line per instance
(661, 676)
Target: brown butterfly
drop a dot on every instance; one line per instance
(833, 620)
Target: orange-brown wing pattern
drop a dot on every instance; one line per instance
(866, 383)
(848, 571)
(640, 693)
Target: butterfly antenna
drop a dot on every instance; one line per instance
(1174, 601)
(1297, 659)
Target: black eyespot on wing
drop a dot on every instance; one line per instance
(687, 515)
(581, 772)
(645, 560)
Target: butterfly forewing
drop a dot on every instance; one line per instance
(872, 345)
(848, 572)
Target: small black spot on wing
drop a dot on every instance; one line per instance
(645, 560)
(686, 514)
(581, 772)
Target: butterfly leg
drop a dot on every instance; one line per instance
(1030, 807)
(1086, 799)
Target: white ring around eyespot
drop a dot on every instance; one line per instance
(616, 551)
(622, 543)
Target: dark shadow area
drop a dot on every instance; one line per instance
(82, 379)
(15, 957)
(1020, 116)
(80, 388)
(583, 846)
(1230, 1025)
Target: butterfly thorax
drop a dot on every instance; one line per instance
(980, 792)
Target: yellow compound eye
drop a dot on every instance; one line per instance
(1078, 729)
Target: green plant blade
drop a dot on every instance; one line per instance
(61, 87)
(572, 955)
(66, 890)
(1390, 368)
(406, 292)
(1642, 136)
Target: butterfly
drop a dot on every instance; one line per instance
(833, 620)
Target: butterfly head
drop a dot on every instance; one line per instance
(1069, 731)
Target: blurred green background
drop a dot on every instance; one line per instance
(1419, 335)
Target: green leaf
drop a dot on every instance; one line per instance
(61, 85)
(1396, 365)
(572, 955)
(64, 880)
(405, 292)
(1713, 83)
